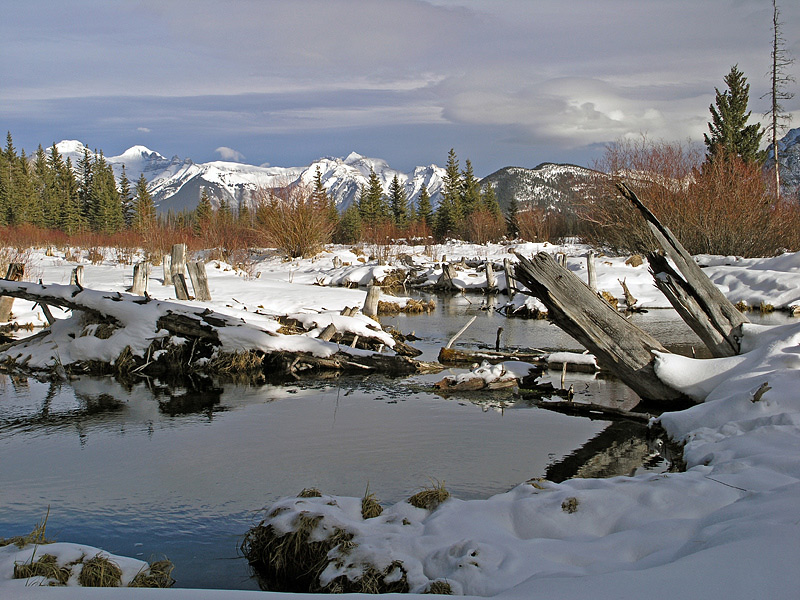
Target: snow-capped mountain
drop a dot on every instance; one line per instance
(176, 184)
(548, 185)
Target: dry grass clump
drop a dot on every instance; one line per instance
(370, 507)
(610, 298)
(419, 306)
(634, 261)
(570, 505)
(388, 308)
(230, 363)
(309, 493)
(99, 571)
(439, 587)
(289, 562)
(47, 567)
(158, 575)
(431, 497)
(393, 579)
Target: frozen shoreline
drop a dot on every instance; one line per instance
(725, 527)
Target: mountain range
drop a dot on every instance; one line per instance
(177, 183)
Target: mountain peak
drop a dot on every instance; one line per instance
(139, 152)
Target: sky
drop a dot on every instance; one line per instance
(283, 83)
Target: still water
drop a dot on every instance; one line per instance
(149, 470)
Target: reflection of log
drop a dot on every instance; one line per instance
(618, 345)
(698, 301)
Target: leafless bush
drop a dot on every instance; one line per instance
(483, 227)
(721, 207)
(293, 219)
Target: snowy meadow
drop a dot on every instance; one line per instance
(728, 525)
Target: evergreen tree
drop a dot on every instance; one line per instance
(490, 203)
(449, 214)
(730, 135)
(203, 213)
(424, 209)
(398, 202)
(372, 207)
(71, 219)
(511, 217)
(349, 229)
(85, 187)
(145, 211)
(470, 190)
(106, 214)
(46, 188)
(126, 199)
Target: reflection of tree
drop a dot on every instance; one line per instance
(619, 449)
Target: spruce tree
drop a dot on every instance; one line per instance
(203, 213)
(470, 190)
(372, 207)
(424, 209)
(398, 203)
(145, 211)
(511, 217)
(349, 229)
(71, 219)
(449, 214)
(126, 199)
(730, 135)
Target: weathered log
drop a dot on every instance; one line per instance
(166, 264)
(453, 356)
(618, 345)
(76, 276)
(178, 259)
(491, 281)
(702, 305)
(445, 281)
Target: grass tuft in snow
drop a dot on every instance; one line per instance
(47, 566)
(309, 493)
(570, 505)
(439, 587)
(431, 497)
(370, 507)
(158, 575)
(99, 571)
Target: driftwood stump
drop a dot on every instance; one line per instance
(14, 273)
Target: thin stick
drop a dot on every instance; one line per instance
(460, 331)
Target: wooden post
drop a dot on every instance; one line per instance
(181, 290)
(592, 271)
(491, 281)
(178, 262)
(371, 303)
(166, 262)
(511, 285)
(140, 272)
(337, 262)
(14, 273)
(76, 277)
(197, 273)
(497, 341)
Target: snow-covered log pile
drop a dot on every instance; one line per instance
(123, 333)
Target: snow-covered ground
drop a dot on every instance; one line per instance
(727, 527)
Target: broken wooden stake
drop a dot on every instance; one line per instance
(181, 291)
(460, 331)
(140, 273)
(371, 301)
(197, 273)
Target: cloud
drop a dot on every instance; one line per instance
(143, 129)
(229, 154)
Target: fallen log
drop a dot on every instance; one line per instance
(698, 301)
(453, 356)
(166, 336)
(618, 345)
